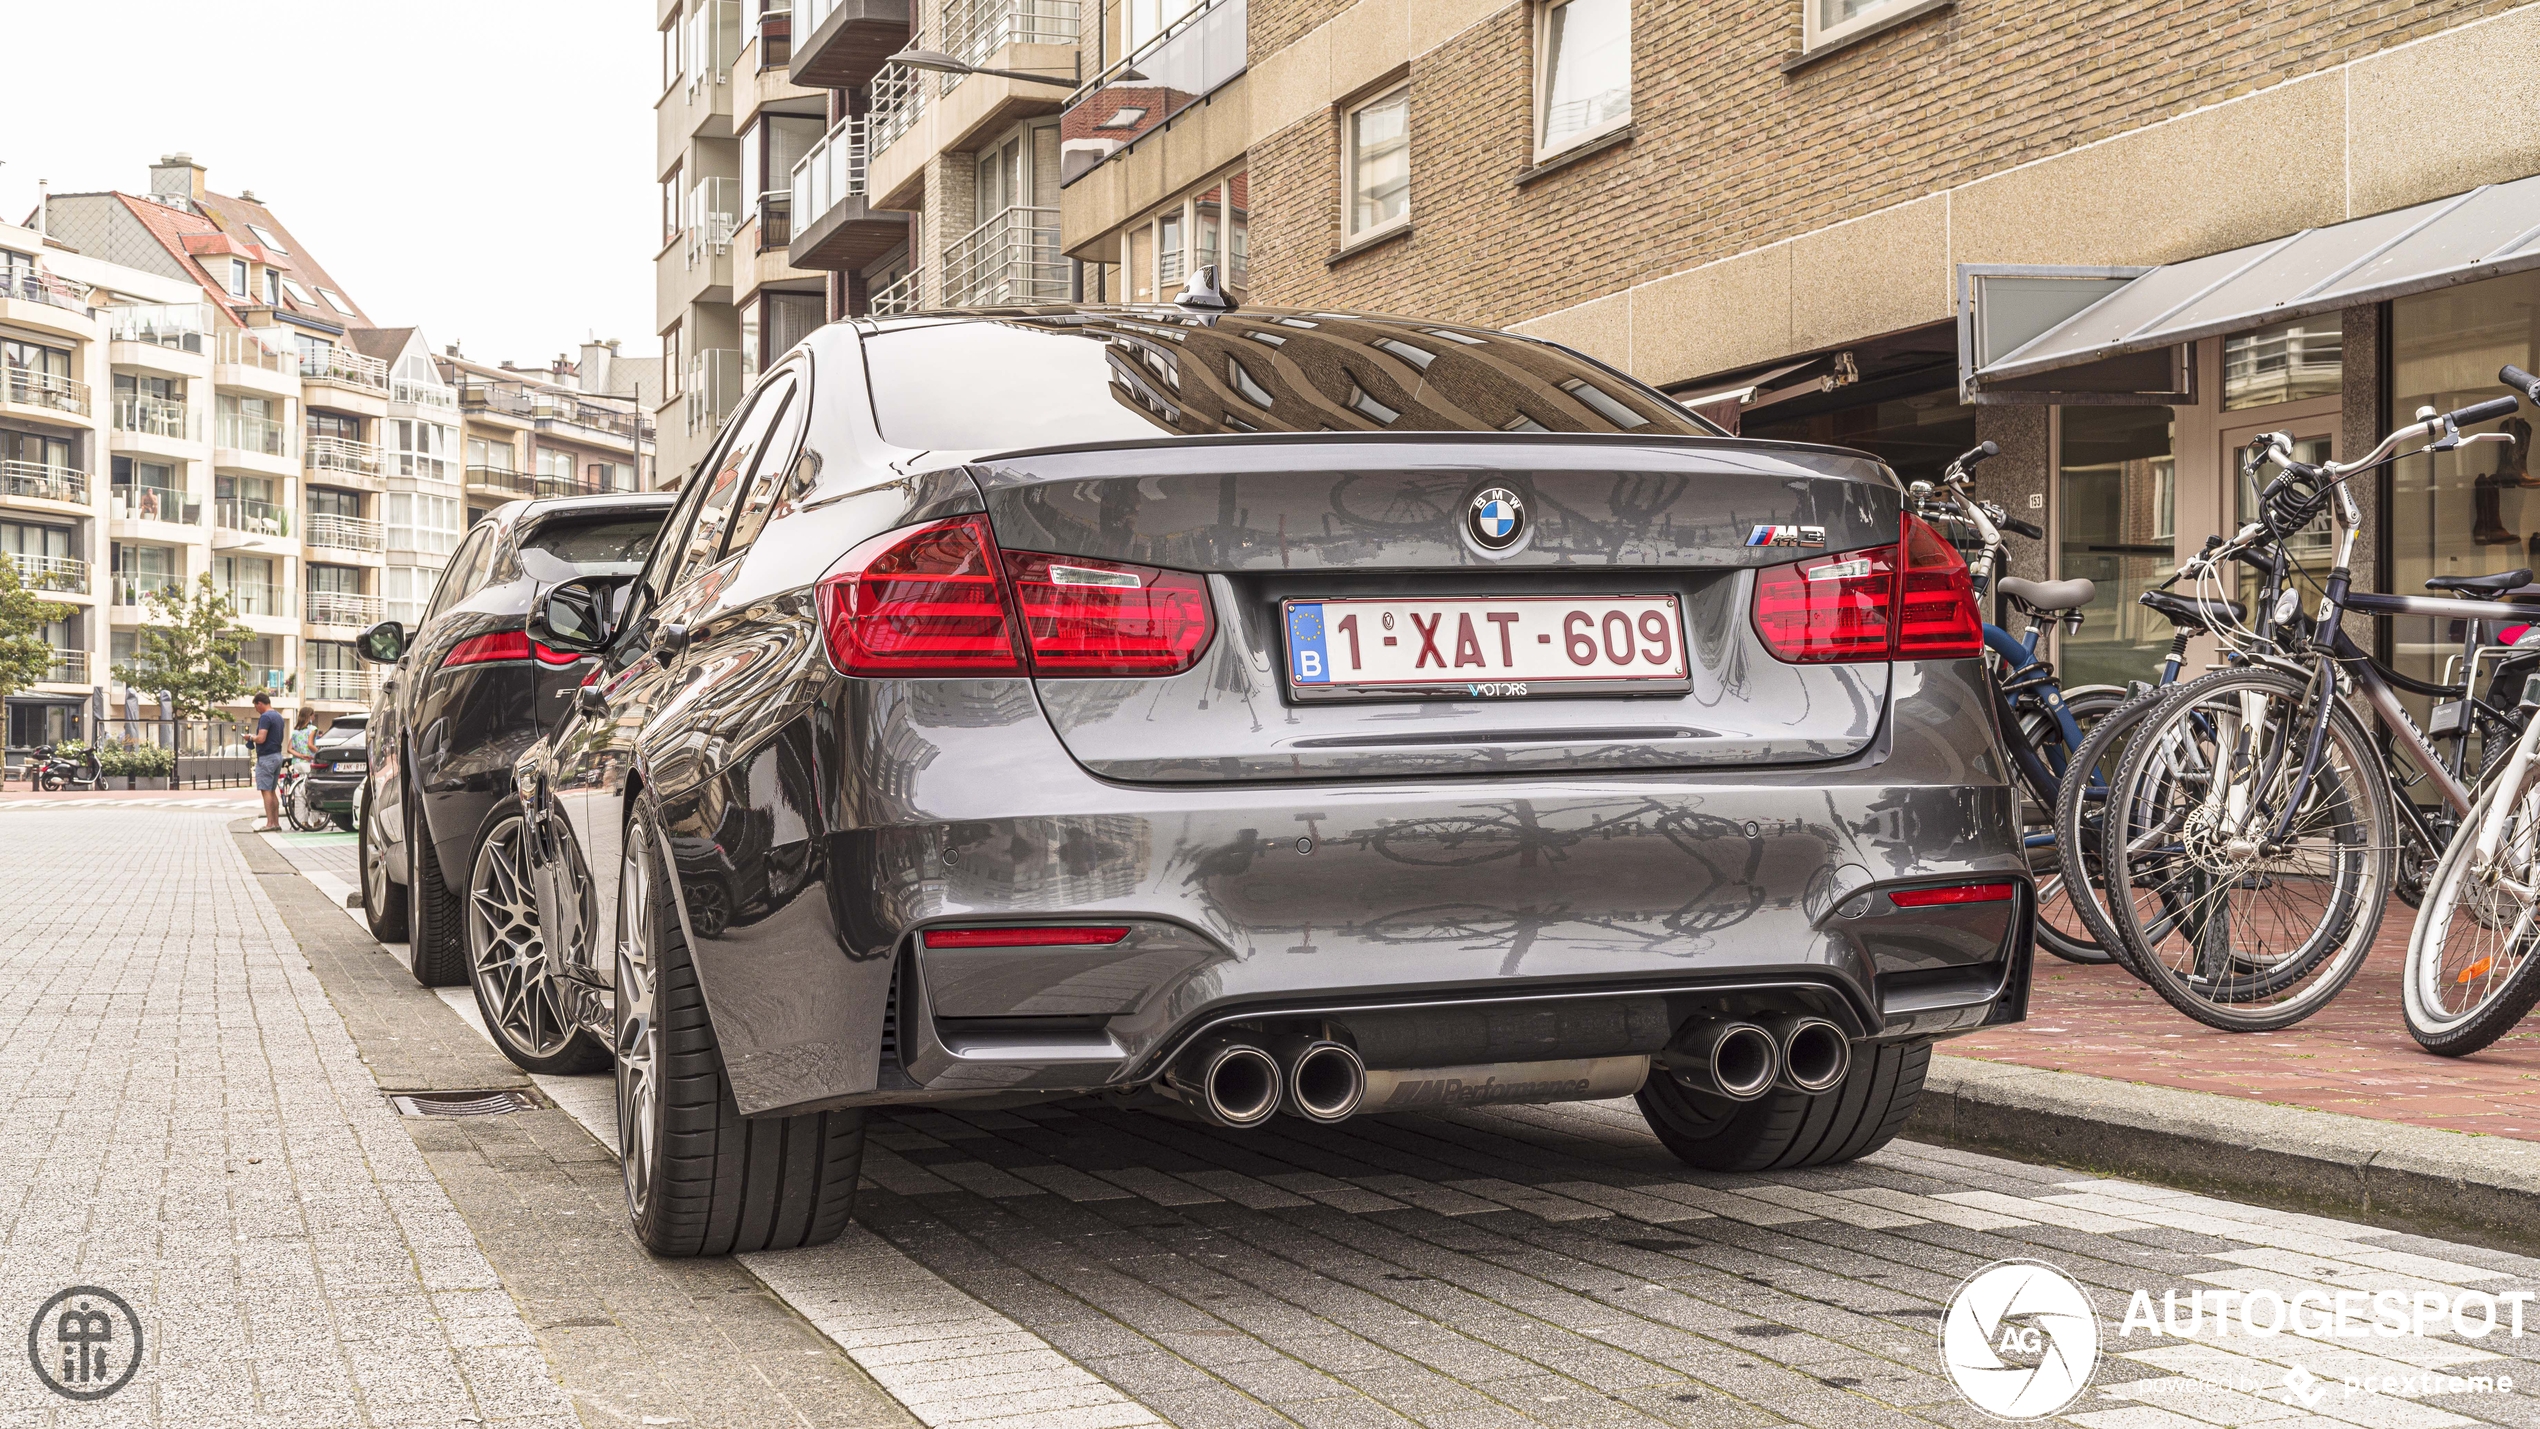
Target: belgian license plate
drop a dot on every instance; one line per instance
(352, 769)
(1483, 647)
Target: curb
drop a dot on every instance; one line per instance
(2447, 1184)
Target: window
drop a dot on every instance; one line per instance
(2285, 363)
(497, 455)
(466, 572)
(331, 501)
(1168, 250)
(298, 294)
(273, 288)
(670, 206)
(265, 239)
(671, 66)
(1252, 391)
(767, 483)
(555, 466)
(340, 425)
(1585, 86)
(730, 473)
(336, 301)
(1419, 357)
(426, 525)
(1602, 403)
(1378, 158)
(238, 277)
(1831, 20)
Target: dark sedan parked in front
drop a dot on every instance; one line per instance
(1250, 712)
(339, 760)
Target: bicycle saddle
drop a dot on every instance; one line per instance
(2048, 595)
(2183, 610)
(2496, 584)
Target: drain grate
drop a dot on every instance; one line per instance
(481, 1103)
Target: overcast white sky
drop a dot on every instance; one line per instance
(479, 168)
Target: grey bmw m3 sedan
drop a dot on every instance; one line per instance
(1252, 713)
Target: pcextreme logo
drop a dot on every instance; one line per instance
(2019, 1340)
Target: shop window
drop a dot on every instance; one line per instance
(1378, 164)
(1833, 20)
(2285, 363)
(2119, 483)
(1585, 86)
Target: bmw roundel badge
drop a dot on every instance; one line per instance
(1496, 519)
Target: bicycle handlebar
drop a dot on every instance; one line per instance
(2029, 529)
(2483, 412)
(2521, 381)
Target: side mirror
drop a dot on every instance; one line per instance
(571, 617)
(382, 644)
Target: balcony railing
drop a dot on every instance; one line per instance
(423, 465)
(1151, 84)
(340, 454)
(714, 41)
(67, 574)
(236, 347)
(899, 296)
(28, 286)
(548, 406)
(713, 386)
(478, 395)
(899, 96)
(324, 683)
(712, 212)
(263, 436)
(974, 30)
(328, 607)
(775, 35)
(1011, 258)
(187, 327)
(43, 483)
(30, 388)
(156, 417)
(831, 173)
(344, 365)
(501, 478)
(69, 667)
(775, 220)
(142, 501)
(136, 588)
(325, 530)
(256, 518)
(252, 598)
(422, 394)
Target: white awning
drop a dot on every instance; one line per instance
(2491, 230)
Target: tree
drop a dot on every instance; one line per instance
(191, 650)
(25, 655)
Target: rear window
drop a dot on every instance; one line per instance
(1105, 377)
(611, 544)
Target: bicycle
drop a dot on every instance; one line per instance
(2260, 820)
(298, 805)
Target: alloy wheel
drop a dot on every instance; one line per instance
(374, 860)
(636, 1042)
(506, 954)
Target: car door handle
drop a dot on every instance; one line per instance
(589, 699)
(671, 639)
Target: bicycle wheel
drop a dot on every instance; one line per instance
(2061, 929)
(2473, 967)
(2246, 897)
(2081, 806)
(306, 816)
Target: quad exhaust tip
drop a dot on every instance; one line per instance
(1815, 1054)
(1232, 1083)
(1326, 1081)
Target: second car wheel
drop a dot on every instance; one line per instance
(383, 898)
(700, 1178)
(439, 946)
(507, 959)
(1781, 1129)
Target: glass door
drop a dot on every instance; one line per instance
(2118, 499)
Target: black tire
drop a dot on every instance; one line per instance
(2079, 805)
(383, 897)
(2062, 928)
(2451, 994)
(438, 947)
(700, 1179)
(507, 963)
(1782, 1130)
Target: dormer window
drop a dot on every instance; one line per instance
(273, 289)
(238, 277)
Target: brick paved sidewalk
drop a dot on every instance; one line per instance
(2354, 1056)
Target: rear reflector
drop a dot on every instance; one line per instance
(1060, 937)
(504, 645)
(1086, 617)
(1909, 601)
(1954, 893)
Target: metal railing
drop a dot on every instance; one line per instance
(258, 598)
(898, 296)
(68, 574)
(1202, 51)
(187, 327)
(28, 286)
(500, 478)
(136, 588)
(714, 41)
(713, 385)
(477, 394)
(69, 667)
(424, 466)
(256, 518)
(340, 454)
(237, 347)
(30, 388)
(329, 607)
(974, 30)
(712, 213)
(327, 531)
(324, 683)
(548, 406)
(422, 394)
(42, 482)
(775, 219)
(899, 96)
(239, 431)
(831, 173)
(147, 501)
(156, 417)
(344, 365)
(775, 27)
(1011, 258)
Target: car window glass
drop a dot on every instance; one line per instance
(723, 483)
(454, 577)
(662, 571)
(606, 543)
(768, 478)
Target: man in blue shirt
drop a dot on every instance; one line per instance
(272, 735)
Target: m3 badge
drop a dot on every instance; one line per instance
(1787, 536)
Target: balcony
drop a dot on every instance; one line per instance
(26, 387)
(69, 667)
(899, 97)
(138, 501)
(423, 466)
(504, 398)
(775, 35)
(551, 409)
(899, 297)
(974, 30)
(255, 518)
(184, 327)
(67, 575)
(36, 481)
(1138, 94)
(149, 416)
(500, 481)
(713, 43)
(327, 607)
(254, 435)
(134, 588)
(340, 455)
(709, 216)
(839, 44)
(326, 531)
(712, 388)
(422, 394)
(836, 228)
(38, 287)
(1011, 259)
(354, 686)
(345, 368)
(265, 600)
(253, 361)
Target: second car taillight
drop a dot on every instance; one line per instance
(942, 600)
(504, 645)
(1908, 601)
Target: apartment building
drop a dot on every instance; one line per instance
(537, 432)
(2118, 239)
(731, 125)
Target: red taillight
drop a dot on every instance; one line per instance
(1060, 937)
(1086, 617)
(504, 645)
(1909, 601)
(929, 601)
(1954, 893)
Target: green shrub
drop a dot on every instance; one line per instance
(139, 760)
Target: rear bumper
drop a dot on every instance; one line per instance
(1522, 904)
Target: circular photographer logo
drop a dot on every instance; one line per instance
(2019, 1340)
(85, 1343)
